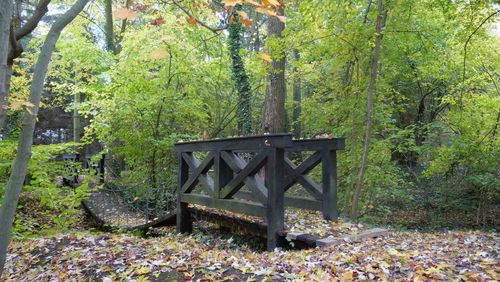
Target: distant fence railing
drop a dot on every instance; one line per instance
(259, 164)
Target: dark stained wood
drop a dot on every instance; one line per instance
(240, 143)
(234, 205)
(293, 202)
(329, 162)
(223, 174)
(250, 169)
(253, 181)
(296, 174)
(235, 224)
(184, 222)
(199, 172)
(275, 207)
(267, 190)
(317, 144)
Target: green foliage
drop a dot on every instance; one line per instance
(44, 203)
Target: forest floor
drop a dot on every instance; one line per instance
(209, 255)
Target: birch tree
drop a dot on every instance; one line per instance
(25, 143)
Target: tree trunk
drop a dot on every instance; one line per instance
(369, 114)
(240, 77)
(19, 167)
(274, 103)
(110, 37)
(297, 101)
(5, 16)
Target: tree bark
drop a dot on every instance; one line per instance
(19, 167)
(369, 113)
(297, 101)
(15, 49)
(274, 103)
(5, 17)
(110, 37)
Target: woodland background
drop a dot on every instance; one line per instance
(129, 79)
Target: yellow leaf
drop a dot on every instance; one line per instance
(347, 276)
(243, 14)
(159, 54)
(266, 57)
(231, 3)
(266, 11)
(275, 3)
(252, 2)
(167, 38)
(124, 13)
(143, 270)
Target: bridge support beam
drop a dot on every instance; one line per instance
(275, 208)
(184, 221)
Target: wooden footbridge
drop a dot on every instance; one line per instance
(249, 176)
(259, 164)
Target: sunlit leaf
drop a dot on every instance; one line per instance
(266, 57)
(231, 3)
(159, 54)
(124, 13)
(267, 11)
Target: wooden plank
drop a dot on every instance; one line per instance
(184, 222)
(199, 172)
(329, 185)
(234, 205)
(317, 145)
(223, 174)
(249, 170)
(275, 211)
(303, 203)
(258, 142)
(235, 224)
(295, 202)
(370, 233)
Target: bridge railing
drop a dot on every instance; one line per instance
(251, 175)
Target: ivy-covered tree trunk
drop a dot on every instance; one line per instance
(5, 16)
(274, 104)
(297, 100)
(240, 78)
(20, 165)
(369, 111)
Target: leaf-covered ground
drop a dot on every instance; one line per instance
(407, 256)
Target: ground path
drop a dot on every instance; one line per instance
(410, 256)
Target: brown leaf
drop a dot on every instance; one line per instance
(191, 20)
(246, 22)
(124, 13)
(158, 21)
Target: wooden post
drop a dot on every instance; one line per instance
(102, 163)
(223, 174)
(329, 174)
(184, 220)
(275, 211)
